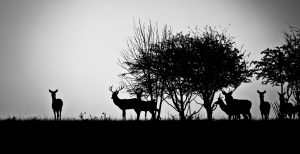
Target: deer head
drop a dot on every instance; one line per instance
(116, 92)
(138, 93)
(53, 93)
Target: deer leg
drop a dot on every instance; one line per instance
(145, 115)
(124, 114)
(60, 114)
(138, 114)
(54, 115)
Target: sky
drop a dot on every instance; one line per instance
(74, 46)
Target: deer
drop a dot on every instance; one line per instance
(264, 106)
(227, 109)
(146, 105)
(286, 109)
(125, 104)
(57, 105)
(238, 106)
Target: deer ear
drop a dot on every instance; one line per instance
(257, 91)
(50, 91)
(56, 90)
(265, 91)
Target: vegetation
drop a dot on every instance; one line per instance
(177, 68)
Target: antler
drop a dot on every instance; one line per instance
(110, 88)
(122, 87)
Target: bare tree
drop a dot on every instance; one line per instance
(139, 60)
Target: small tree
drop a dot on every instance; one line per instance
(139, 62)
(218, 64)
(272, 67)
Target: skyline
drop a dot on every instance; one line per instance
(74, 46)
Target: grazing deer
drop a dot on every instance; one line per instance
(146, 105)
(229, 110)
(264, 106)
(125, 104)
(238, 106)
(286, 109)
(57, 105)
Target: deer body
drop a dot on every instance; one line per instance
(125, 104)
(286, 109)
(229, 109)
(264, 106)
(238, 106)
(146, 105)
(57, 105)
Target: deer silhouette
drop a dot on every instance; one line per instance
(286, 109)
(238, 106)
(57, 105)
(264, 106)
(229, 110)
(146, 105)
(125, 104)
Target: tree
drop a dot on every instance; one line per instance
(175, 58)
(199, 64)
(139, 61)
(292, 49)
(218, 64)
(272, 67)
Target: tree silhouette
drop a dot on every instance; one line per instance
(272, 67)
(292, 49)
(219, 64)
(139, 60)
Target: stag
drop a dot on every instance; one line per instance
(125, 104)
(229, 110)
(56, 105)
(146, 105)
(286, 109)
(238, 106)
(264, 106)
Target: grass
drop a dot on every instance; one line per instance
(166, 133)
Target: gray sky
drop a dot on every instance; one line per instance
(73, 46)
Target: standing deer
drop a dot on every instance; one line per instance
(229, 110)
(125, 104)
(146, 105)
(238, 106)
(57, 105)
(286, 109)
(264, 106)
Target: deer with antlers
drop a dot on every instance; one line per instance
(146, 105)
(238, 106)
(264, 106)
(56, 105)
(125, 104)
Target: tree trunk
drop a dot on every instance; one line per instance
(207, 106)
(159, 109)
(182, 116)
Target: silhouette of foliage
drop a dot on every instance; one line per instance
(272, 67)
(292, 49)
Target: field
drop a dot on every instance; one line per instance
(106, 130)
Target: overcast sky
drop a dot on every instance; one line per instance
(74, 46)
